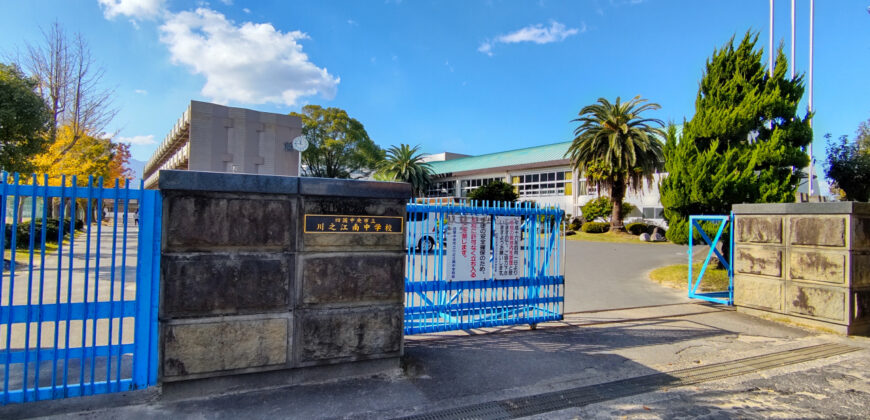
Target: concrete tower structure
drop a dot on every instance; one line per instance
(215, 138)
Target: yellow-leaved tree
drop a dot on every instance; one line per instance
(81, 155)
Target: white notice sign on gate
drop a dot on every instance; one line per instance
(507, 257)
(467, 251)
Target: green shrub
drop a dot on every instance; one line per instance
(575, 224)
(678, 232)
(637, 228)
(494, 191)
(595, 227)
(603, 208)
(52, 228)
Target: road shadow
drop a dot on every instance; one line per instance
(497, 361)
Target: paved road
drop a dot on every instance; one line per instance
(601, 275)
(101, 286)
(592, 352)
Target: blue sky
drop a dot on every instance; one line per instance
(464, 76)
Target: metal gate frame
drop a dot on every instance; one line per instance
(723, 297)
(433, 304)
(62, 310)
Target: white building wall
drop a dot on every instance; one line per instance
(647, 197)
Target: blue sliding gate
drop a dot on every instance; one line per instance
(719, 224)
(439, 298)
(79, 290)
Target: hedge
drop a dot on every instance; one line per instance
(575, 224)
(52, 228)
(595, 227)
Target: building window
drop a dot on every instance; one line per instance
(542, 184)
(653, 212)
(584, 187)
(442, 189)
(468, 185)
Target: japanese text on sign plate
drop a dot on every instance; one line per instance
(323, 223)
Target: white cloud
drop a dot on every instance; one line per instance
(227, 2)
(246, 10)
(538, 34)
(486, 48)
(136, 9)
(141, 91)
(352, 22)
(251, 63)
(138, 140)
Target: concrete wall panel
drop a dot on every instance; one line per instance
(823, 266)
(351, 334)
(827, 231)
(209, 284)
(816, 302)
(758, 292)
(759, 229)
(758, 260)
(352, 279)
(225, 345)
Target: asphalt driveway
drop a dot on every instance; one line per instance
(602, 275)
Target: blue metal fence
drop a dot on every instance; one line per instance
(78, 301)
(719, 223)
(436, 301)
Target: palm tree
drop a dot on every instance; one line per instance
(616, 148)
(405, 164)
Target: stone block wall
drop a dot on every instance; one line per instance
(244, 288)
(807, 263)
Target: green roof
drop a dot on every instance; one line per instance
(545, 153)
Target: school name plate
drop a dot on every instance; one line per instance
(340, 223)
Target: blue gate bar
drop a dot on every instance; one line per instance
(64, 364)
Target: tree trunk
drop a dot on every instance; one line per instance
(55, 208)
(96, 211)
(20, 211)
(67, 207)
(617, 193)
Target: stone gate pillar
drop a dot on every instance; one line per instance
(269, 273)
(807, 263)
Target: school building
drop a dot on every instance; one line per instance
(540, 173)
(217, 138)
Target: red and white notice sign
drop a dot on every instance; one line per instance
(467, 252)
(507, 258)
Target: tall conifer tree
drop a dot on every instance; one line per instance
(745, 143)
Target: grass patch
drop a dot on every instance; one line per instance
(612, 237)
(23, 255)
(677, 276)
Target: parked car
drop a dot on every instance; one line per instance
(423, 231)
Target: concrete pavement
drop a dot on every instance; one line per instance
(602, 275)
(57, 275)
(607, 353)
(596, 350)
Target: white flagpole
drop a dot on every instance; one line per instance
(810, 151)
(770, 52)
(792, 39)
